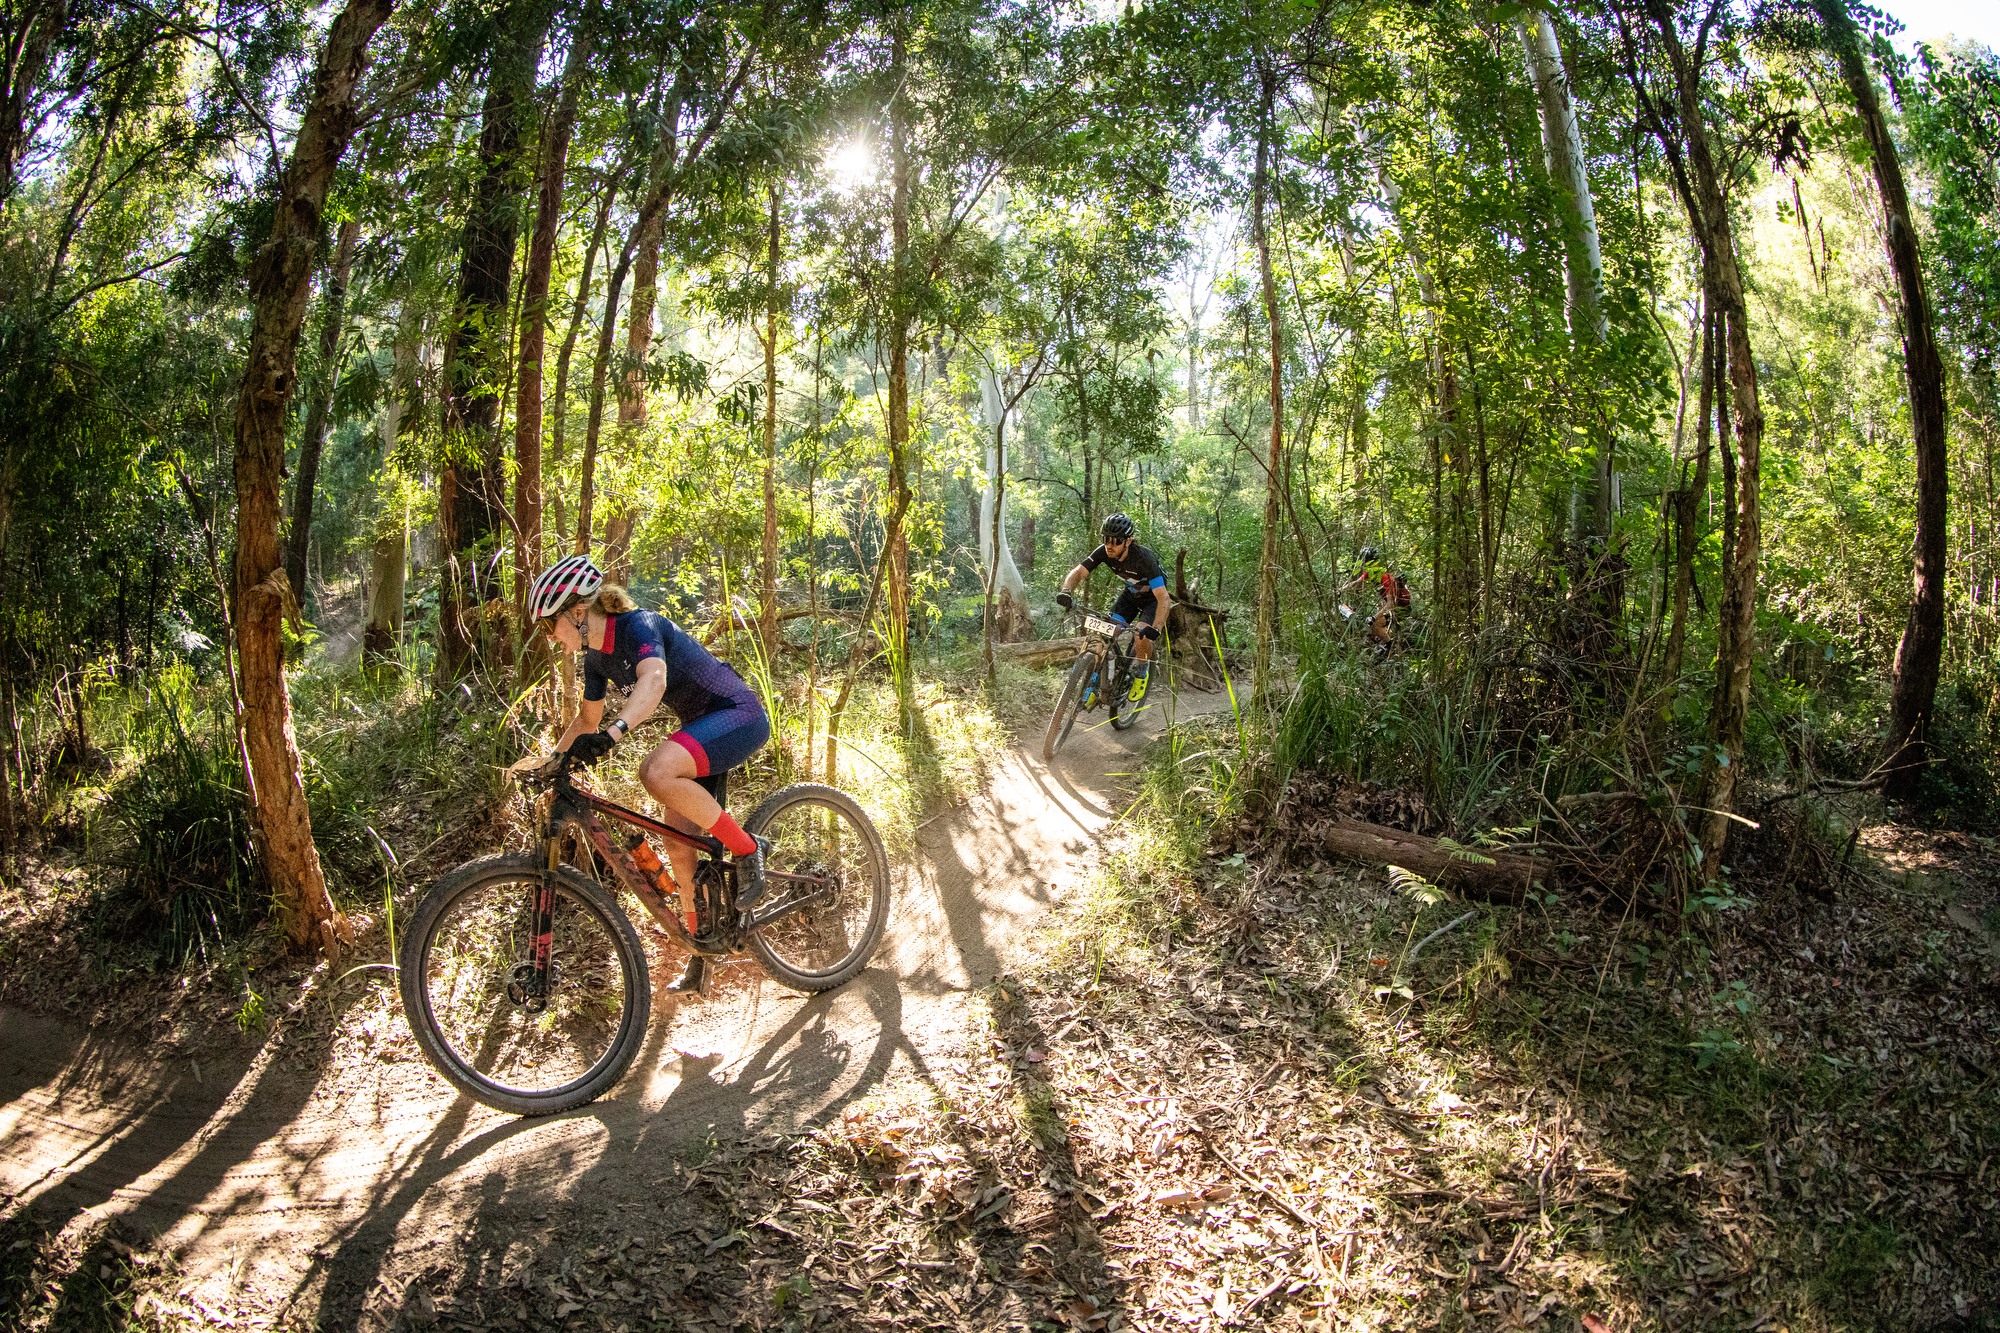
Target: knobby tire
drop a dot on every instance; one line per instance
(1066, 704)
(582, 894)
(769, 943)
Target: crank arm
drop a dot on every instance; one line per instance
(785, 906)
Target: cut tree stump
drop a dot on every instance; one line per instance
(1500, 877)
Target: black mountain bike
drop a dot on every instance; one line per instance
(525, 982)
(1101, 674)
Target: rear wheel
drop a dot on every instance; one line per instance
(1066, 704)
(466, 974)
(824, 854)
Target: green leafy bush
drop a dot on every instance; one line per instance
(177, 835)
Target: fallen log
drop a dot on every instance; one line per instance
(1497, 877)
(1039, 652)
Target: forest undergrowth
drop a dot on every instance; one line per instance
(1248, 1085)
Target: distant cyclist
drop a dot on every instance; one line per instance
(722, 721)
(1392, 595)
(1143, 602)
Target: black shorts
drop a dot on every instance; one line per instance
(1135, 608)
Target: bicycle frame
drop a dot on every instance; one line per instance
(572, 805)
(1107, 647)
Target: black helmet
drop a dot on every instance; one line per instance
(1116, 528)
(1369, 553)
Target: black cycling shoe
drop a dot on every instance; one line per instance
(694, 977)
(750, 877)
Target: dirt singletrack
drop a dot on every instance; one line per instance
(273, 1176)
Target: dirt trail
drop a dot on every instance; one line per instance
(217, 1160)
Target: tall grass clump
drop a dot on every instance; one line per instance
(175, 833)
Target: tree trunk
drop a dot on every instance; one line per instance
(1708, 214)
(994, 552)
(1001, 578)
(333, 320)
(1685, 500)
(639, 326)
(534, 330)
(607, 337)
(29, 31)
(384, 633)
(280, 281)
(1583, 262)
(1920, 653)
(559, 422)
(471, 501)
(767, 619)
(898, 551)
(1267, 567)
(617, 556)
(1500, 877)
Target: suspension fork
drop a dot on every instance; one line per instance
(545, 917)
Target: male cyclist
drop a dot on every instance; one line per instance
(1393, 595)
(723, 722)
(1143, 600)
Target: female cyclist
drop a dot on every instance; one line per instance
(655, 660)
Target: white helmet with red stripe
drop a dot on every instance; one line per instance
(569, 578)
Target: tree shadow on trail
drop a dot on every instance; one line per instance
(553, 1183)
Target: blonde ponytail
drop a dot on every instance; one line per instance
(613, 600)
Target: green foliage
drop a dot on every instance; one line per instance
(176, 833)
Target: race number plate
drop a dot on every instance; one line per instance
(1097, 626)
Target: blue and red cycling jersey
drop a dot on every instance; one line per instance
(723, 722)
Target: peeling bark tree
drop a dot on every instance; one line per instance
(280, 282)
(333, 319)
(1920, 653)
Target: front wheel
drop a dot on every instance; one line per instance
(824, 857)
(1067, 703)
(479, 1014)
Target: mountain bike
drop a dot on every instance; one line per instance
(525, 982)
(1101, 674)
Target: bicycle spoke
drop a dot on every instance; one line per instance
(478, 976)
(841, 881)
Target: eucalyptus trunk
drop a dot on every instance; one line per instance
(1685, 499)
(333, 320)
(1920, 652)
(1267, 565)
(897, 550)
(554, 166)
(1583, 260)
(280, 282)
(471, 500)
(1699, 177)
(767, 617)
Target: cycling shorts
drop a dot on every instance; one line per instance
(1136, 608)
(721, 740)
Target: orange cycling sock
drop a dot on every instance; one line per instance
(732, 836)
